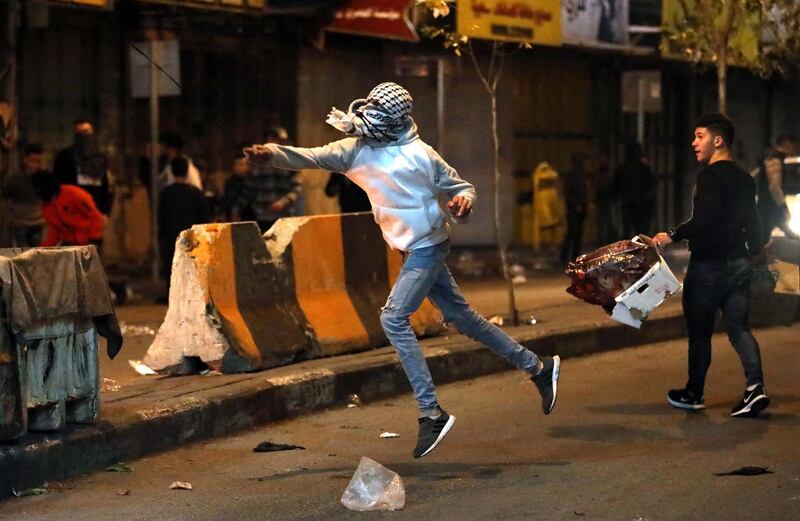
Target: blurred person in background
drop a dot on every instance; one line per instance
(181, 205)
(775, 178)
(271, 193)
(634, 186)
(24, 206)
(83, 165)
(72, 217)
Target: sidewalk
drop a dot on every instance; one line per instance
(143, 415)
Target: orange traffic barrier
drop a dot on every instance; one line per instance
(312, 287)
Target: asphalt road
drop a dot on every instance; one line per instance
(611, 450)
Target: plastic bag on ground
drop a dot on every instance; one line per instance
(374, 487)
(600, 276)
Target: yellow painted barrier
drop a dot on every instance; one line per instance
(311, 287)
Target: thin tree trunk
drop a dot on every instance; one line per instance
(490, 82)
(501, 244)
(722, 54)
(722, 79)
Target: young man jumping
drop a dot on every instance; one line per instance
(723, 232)
(403, 177)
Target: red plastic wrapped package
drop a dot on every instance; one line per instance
(600, 276)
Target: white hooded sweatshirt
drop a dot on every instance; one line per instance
(402, 179)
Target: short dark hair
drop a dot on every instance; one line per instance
(180, 167)
(45, 184)
(32, 148)
(719, 125)
(171, 140)
(633, 151)
(786, 139)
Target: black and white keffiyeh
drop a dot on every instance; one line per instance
(393, 98)
(382, 116)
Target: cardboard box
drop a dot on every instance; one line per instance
(646, 294)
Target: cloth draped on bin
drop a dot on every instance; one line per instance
(42, 283)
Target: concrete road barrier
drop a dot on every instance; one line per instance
(311, 287)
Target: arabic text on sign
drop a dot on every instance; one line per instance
(511, 31)
(512, 10)
(356, 14)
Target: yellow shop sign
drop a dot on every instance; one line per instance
(530, 21)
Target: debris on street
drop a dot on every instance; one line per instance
(36, 491)
(109, 386)
(119, 467)
(136, 330)
(497, 320)
(181, 485)
(389, 435)
(268, 446)
(374, 487)
(746, 471)
(141, 368)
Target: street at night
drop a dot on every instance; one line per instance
(612, 450)
(399, 259)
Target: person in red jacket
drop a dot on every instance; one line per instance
(70, 212)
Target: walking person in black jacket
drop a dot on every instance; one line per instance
(181, 205)
(723, 232)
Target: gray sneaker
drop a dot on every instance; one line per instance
(547, 382)
(432, 431)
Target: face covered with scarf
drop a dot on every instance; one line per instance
(383, 116)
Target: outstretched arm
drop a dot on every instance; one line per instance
(333, 157)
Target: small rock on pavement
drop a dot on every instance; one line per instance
(389, 435)
(374, 487)
(181, 485)
(497, 320)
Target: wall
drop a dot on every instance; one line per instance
(238, 76)
(349, 70)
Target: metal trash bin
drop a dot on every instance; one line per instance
(49, 366)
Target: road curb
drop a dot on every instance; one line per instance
(124, 434)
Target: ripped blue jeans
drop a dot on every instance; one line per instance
(424, 274)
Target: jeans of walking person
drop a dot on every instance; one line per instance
(712, 285)
(424, 274)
